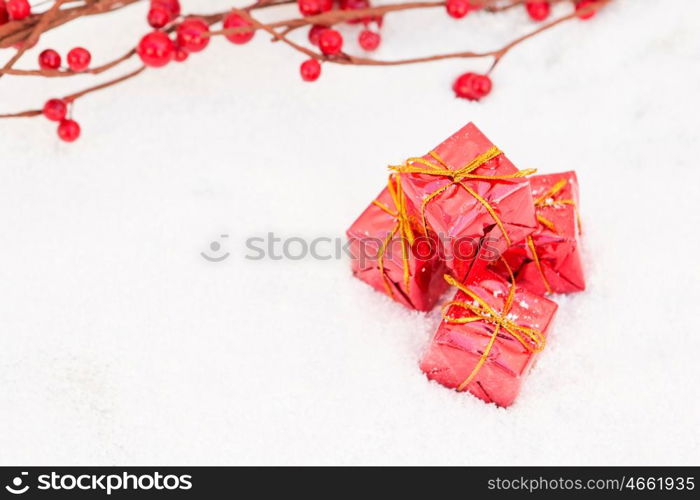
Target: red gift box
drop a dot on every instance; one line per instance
(489, 338)
(471, 196)
(390, 251)
(549, 260)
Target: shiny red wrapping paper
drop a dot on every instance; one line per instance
(456, 349)
(425, 268)
(463, 224)
(557, 267)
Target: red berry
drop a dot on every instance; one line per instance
(584, 5)
(192, 34)
(369, 40)
(538, 11)
(4, 16)
(172, 6)
(313, 7)
(49, 59)
(315, 33)
(472, 86)
(55, 109)
(309, 7)
(78, 59)
(18, 9)
(357, 5)
(156, 49)
(330, 42)
(310, 70)
(68, 130)
(159, 16)
(457, 8)
(181, 54)
(233, 20)
(354, 4)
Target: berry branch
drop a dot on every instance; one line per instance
(176, 37)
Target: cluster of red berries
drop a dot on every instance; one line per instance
(329, 40)
(473, 86)
(78, 59)
(315, 7)
(56, 110)
(14, 10)
(192, 34)
(539, 11)
(157, 48)
(163, 12)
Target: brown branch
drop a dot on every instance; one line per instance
(498, 54)
(90, 90)
(34, 35)
(52, 73)
(73, 97)
(18, 31)
(333, 17)
(22, 114)
(329, 18)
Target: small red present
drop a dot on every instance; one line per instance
(390, 251)
(549, 260)
(470, 194)
(489, 338)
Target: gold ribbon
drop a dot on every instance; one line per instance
(538, 264)
(547, 199)
(402, 228)
(457, 176)
(530, 338)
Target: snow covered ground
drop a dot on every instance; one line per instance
(120, 344)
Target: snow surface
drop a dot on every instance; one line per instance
(121, 345)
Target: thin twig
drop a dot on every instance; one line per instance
(34, 35)
(56, 16)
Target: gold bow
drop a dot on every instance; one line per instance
(457, 176)
(531, 339)
(402, 227)
(547, 199)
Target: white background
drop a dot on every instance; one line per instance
(119, 344)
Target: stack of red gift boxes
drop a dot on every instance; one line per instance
(464, 216)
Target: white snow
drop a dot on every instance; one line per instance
(121, 345)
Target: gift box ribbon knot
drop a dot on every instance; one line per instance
(548, 199)
(531, 339)
(412, 166)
